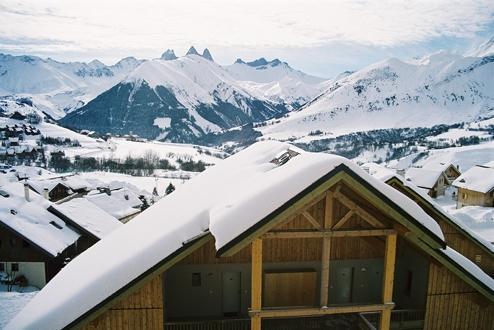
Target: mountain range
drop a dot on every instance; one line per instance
(186, 98)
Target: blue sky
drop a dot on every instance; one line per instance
(322, 37)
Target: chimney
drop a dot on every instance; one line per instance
(46, 194)
(26, 191)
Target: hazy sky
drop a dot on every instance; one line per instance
(321, 37)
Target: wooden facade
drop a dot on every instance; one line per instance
(470, 197)
(455, 236)
(338, 223)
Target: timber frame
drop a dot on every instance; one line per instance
(327, 188)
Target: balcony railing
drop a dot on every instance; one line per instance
(401, 319)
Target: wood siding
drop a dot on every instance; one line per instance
(453, 304)
(471, 197)
(141, 310)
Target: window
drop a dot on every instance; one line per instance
(12, 241)
(2, 267)
(54, 224)
(408, 287)
(196, 279)
(14, 267)
(478, 258)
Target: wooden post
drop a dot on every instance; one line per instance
(256, 284)
(389, 270)
(326, 251)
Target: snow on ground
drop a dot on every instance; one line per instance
(11, 303)
(453, 135)
(479, 219)
(466, 157)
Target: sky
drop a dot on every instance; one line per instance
(321, 37)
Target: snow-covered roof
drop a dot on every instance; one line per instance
(226, 199)
(88, 216)
(378, 171)
(478, 178)
(32, 221)
(424, 178)
(382, 174)
(469, 267)
(116, 205)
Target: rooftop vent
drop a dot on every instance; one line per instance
(56, 225)
(3, 193)
(284, 157)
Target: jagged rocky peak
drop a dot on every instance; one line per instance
(207, 55)
(169, 55)
(239, 61)
(263, 62)
(192, 51)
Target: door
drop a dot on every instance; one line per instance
(341, 285)
(231, 293)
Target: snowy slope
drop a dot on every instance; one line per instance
(178, 100)
(58, 87)
(484, 49)
(440, 88)
(277, 81)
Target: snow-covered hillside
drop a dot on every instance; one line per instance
(57, 87)
(181, 99)
(441, 88)
(277, 81)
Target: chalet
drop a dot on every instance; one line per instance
(476, 186)
(277, 238)
(58, 188)
(433, 181)
(451, 171)
(34, 243)
(460, 237)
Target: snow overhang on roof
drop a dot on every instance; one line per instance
(478, 178)
(227, 199)
(424, 178)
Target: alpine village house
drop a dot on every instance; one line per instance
(278, 238)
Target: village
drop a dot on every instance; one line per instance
(352, 262)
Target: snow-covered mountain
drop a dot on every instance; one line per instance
(56, 87)
(484, 49)
(277, 81)
(175, 99)
(441, 88)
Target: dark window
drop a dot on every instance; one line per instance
(196, 279)
(53, 223)
(0, 243)
(25, 243)
(2, 267)
(408, 287)
(14, 267)
(12, 241)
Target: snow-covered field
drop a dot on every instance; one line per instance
(11, 303)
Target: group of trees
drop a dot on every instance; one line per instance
(142, 166)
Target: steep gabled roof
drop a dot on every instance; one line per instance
(32, 221)
(423, 178)
(478, 178)
(227, 201)
(86, 216)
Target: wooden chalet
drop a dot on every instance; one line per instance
(272, 238)
(476, 186)
(432, 181)
(34, 244)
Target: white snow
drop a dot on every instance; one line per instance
(11, 303)
(33, 221)
(424, 178)
(89, 216)
(228, 198)
(469, 266)
(478, 178)
(116, 205)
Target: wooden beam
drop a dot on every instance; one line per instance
(388, 280)
(327, 233)
(328, 210)
(358, 210)
(326, 254)
(307, 312)
(256, 283)
(312, 220)
(343, 220)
